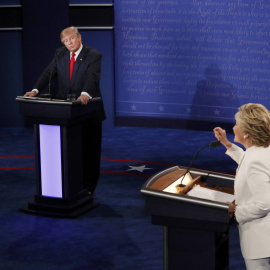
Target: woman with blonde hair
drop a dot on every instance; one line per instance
(252, 182)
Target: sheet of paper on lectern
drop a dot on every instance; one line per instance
(209, 194)
(172, 188)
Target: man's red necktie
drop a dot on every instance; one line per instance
(72, 61)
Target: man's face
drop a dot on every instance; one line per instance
(72, 42)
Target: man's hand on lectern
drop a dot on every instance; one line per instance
(84, 99)
(30, 94)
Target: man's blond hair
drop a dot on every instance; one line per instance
(68, 31)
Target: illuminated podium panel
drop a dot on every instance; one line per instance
(58, 155)
(195, 229)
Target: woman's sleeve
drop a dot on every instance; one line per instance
(236, 153)
(258, 204)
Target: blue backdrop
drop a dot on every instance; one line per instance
(194, 60)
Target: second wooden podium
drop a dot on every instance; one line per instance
(196, 234)
(58, 156)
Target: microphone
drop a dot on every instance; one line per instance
(213, 144)
(50, 78)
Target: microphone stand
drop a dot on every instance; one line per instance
(213, 144)
(50, 78)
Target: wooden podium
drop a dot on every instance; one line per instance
(58, 155)
(196, 231)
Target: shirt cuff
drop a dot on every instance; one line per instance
(85, 93)
(36, 90)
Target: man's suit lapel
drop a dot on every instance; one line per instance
(77, 64)
(64, 70)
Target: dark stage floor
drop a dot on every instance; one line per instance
(116, 235)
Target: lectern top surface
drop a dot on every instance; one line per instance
(46, 100)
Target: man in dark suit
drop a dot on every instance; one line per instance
(77, 69)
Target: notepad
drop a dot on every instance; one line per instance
(209, 194)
